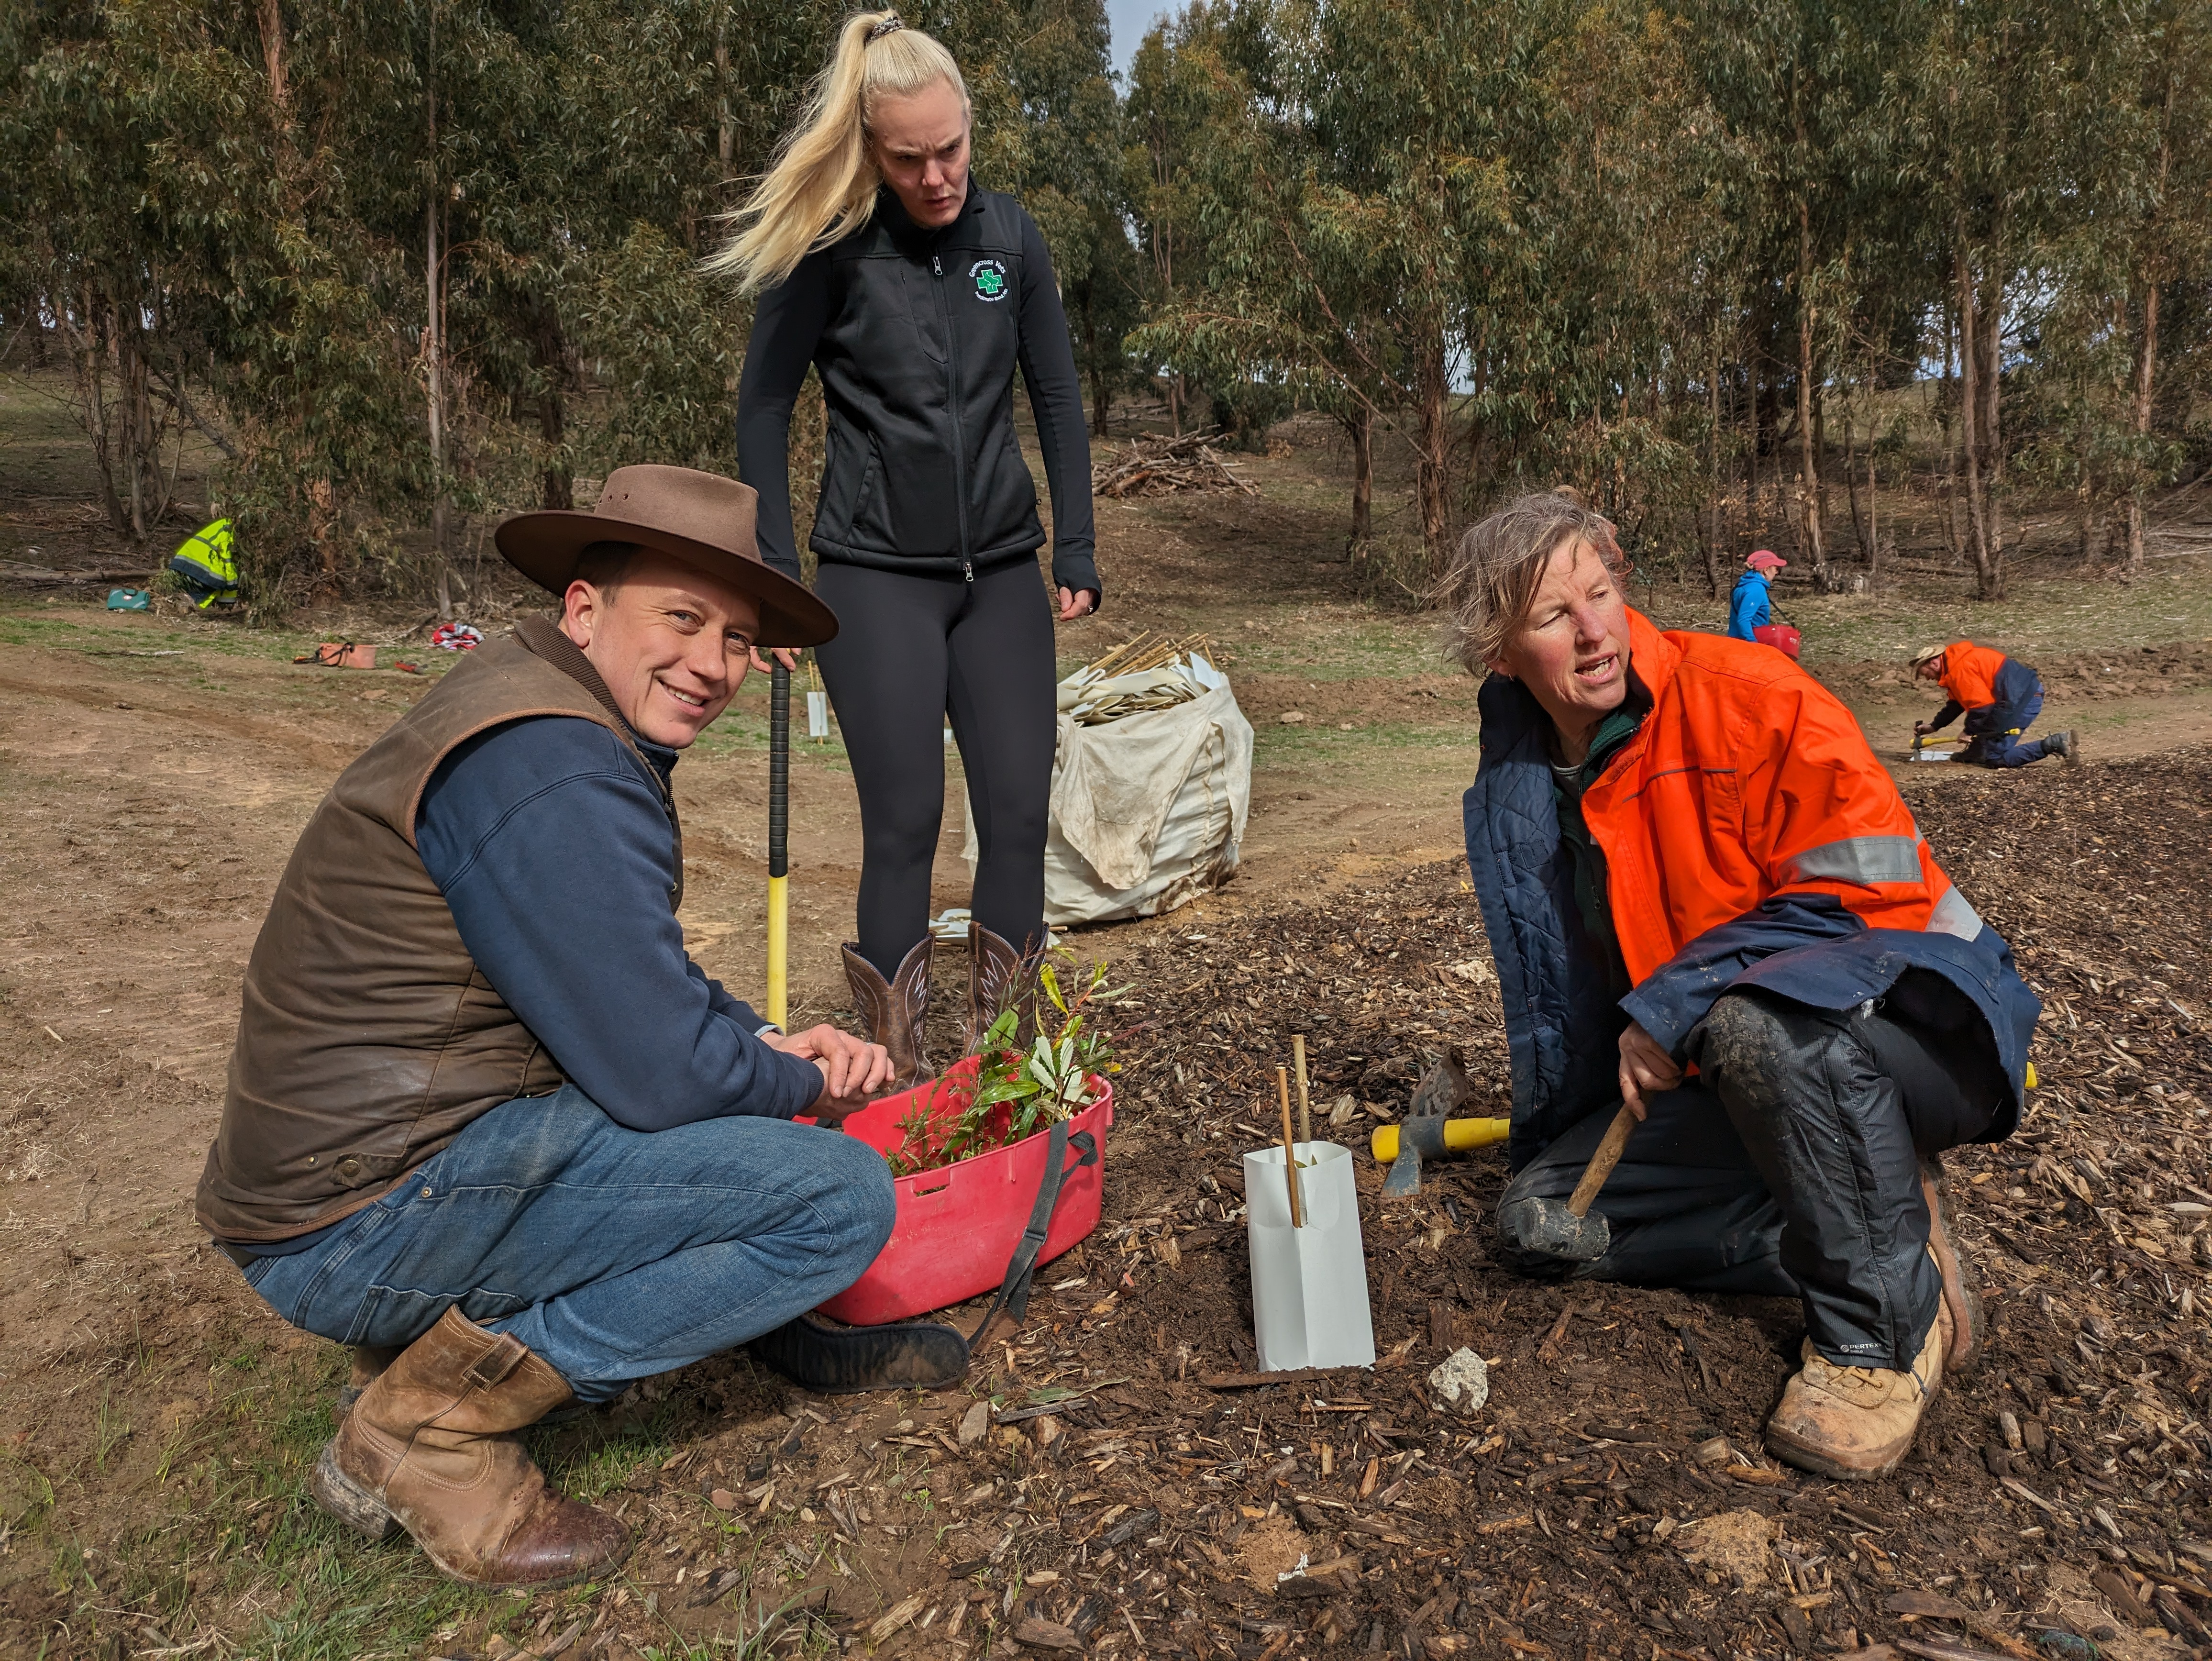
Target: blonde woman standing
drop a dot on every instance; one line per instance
(916, 296)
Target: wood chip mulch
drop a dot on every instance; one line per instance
(1091, 1493)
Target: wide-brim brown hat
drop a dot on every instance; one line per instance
(701, 518)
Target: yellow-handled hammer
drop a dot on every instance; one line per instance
(1461, 1136)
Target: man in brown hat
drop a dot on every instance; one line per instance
(486, 1121)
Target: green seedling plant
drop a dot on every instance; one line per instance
(1019, 1089)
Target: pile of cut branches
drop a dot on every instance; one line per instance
(1155, 466)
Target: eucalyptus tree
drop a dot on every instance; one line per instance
(1800, 86)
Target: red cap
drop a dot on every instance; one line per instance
(1765, 559)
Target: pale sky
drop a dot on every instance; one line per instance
(1131, 19)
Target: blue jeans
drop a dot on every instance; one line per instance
(2001, 745)
(614, 1254)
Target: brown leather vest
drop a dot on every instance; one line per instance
(369, 1038)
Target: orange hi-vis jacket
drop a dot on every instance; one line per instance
(1970, 673)
(1749, 779)
(1751, 841)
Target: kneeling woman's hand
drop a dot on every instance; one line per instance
(1645, 1069)
(852, 1068)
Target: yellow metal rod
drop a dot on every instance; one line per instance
(1461, 1136)
(779, 945)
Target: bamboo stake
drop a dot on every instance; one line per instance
(1290, 1147)
(1305, 1102)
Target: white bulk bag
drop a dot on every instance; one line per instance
(1147, 811)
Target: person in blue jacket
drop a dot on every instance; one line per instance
(1750, 606)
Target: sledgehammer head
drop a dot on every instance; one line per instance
(1563, 1229)
(1546, 1228)
(1422, 1131)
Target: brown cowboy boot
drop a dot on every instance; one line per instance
(430, 1446)
(1962, 1297)
(1856, 1423)
(893, 1011)
(998, 978)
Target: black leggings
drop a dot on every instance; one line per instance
(909, 651)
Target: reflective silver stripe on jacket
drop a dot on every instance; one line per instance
(1953, 916)
(1857, 858)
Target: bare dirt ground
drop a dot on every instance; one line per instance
(155, 1421)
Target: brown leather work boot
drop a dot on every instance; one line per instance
(1962, 1297)
(998, 978)
(430, 1446)
(1856, 1423)
(893, 1010)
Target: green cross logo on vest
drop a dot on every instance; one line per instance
(990, 279)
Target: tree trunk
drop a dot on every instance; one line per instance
(1851, 479)
(322, 517)
(1980, 319)
(136, 435)
(272, 57)
(1094, 360)
(1361, 426)
(2147, 356)
(90, 356)
(1809, 453)
(2146, 364)
(1947, 414)
(433, 346)
(1713, 491)
(726, 133)
(550, 349)
(1430, 484)
(1874, 519)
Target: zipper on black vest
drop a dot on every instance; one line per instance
(952, 407)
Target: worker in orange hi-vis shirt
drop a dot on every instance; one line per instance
(2000, 696)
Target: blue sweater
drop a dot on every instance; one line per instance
(1749, 606)
(550, 841)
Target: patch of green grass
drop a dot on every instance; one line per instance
(229, 1515)
(29, 622)
(1319, 742)
(2056, 615)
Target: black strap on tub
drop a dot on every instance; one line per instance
(1014, 1292)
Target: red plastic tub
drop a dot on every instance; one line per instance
(1782, 636)
(959, 1226)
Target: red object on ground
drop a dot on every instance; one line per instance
(958, 1225)
(1782, 636)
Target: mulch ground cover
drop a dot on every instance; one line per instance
(1111, 1483)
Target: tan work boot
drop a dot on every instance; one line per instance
(1962, 1297)
(1856, 1423)
(893, 1010)
(430, 1446)
(998, 978)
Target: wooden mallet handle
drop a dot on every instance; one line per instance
(1602, 1162)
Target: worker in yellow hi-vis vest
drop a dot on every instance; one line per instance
(205, 564)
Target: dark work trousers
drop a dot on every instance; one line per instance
(1790, 1165)
(2002, 746)
(911, 650)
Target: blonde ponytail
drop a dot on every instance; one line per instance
(822, 184)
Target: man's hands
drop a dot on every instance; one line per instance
(852, 1069)
(1921, 729)
(1075, 603)
(785, 655)
(1646, 1068)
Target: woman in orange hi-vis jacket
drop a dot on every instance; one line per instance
(1708, 903)
(2000, 697)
